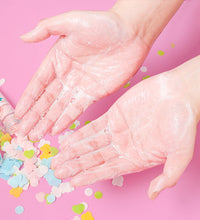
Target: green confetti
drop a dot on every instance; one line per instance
(1, 134)
(87, 122)
(172, 45)
(29, 153)
(3, 142)
(127, 85)
(78, 209)
(98, 195)
(53, 151)
(33, 141)
(73, 126)
(145, 77)
(161, 53)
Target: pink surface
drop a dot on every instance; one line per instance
(19, 61)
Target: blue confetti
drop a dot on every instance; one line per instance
(51, 179)
(18, 180)
(19, 148)
(47, 162)
(51, 198)
(7, 166)
(1, 99)
(5, 177)
(1, 159)
(19, 210)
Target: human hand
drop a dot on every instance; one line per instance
(96, 54)
(151, 124)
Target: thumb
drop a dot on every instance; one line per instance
(173, 169)
(57, 25)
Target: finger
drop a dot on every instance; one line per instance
(89, 145)
(80, 101)
(46, 123)
(57, 25)
(173, 169)
(41, 107)
(71, 168)
(43, 77)
(110, 169)
(87, 131)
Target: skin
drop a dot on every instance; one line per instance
(153, 123)
(96, 49)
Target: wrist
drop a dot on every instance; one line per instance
(189, 75)
(146, 17)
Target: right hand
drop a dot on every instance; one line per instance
(96, 54)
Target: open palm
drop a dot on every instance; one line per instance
(95, 55)
(151, 124)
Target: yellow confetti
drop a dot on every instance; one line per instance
(16, 192)
(46, 151)
(6, 137)
(87, 216)
(172, 45)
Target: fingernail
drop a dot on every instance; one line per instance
(154, 195)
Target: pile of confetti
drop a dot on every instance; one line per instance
(23, 164)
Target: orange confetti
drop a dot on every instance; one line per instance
(87, 216)
(16, 192)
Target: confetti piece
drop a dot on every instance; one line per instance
(127, 84)
(40, 196)
(73, 126)
(98, 195)
(19, 210)
(6, 137)
(50, 199)
(76, 218)
(78, 209)
(1, 134)
(56, 191)
(18, 180)
(16, 192)
(172, 45)
(85, 205)
(54, 151)
(61, 138)
(88, 192)
(51, 179)
(42, 170)
(46, 162)
(118, 181)
(2, 81)
(87, 216)
(66, 187)
(29, 153)
(145, 77)
(143, 69)
(161, 53)
(87, 122)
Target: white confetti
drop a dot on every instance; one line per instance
(143, 69)
(66, 187)
(2, 81)
(64, 136)
(85, 205)
(76, 218)
(56, 191)
(118, 181)
(42, 170)
(88, 192)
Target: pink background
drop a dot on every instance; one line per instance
(19, 61)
